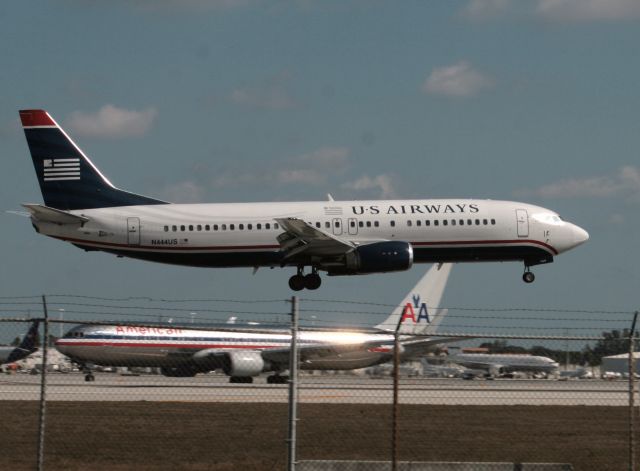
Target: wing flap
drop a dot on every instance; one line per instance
(302, 238)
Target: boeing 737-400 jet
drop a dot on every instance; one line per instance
(82, 207)
(26, 347)
(243, 354)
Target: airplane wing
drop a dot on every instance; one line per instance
(302, 238)
(56, 216)
(318, 352)
(417, 348)
(216, 357)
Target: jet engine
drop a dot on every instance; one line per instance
(244, 364)
(379, 257)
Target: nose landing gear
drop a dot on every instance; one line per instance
(299, 281)
(527, 276)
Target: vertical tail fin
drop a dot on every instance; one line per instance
(419, 311)
(68, 179)
(28, 344)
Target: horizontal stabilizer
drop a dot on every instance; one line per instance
(56, 216)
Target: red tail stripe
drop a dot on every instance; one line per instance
(32, 118)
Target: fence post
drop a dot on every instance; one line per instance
(632, 371)
(43, 386)
(293, 385)
(396, 384)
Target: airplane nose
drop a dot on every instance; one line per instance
(580, 236)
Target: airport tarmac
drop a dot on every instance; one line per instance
(316, 389)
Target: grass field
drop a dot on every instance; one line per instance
(241, 436)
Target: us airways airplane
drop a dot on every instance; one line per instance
(26, 347)
(82, 207)
(243, 354)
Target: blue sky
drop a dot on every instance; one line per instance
(249, 100)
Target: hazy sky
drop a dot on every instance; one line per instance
(249, 100)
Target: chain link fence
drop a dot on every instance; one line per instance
(501, 389)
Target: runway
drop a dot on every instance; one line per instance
(316, 389)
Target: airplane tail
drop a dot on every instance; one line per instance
(419, 311)
(68, 179)
(28, 344)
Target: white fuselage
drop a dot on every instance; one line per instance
(505, 362)
(245, 234)
(122, 345)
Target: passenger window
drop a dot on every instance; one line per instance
(477, 222)
(249, 227)
(267, 226)
(408, 222)
(469, 222)
(174, 228)
(327, 225)
(453, 222)
(199, 227)
(182, 228)
(485, 222)
(166, 228)
(275, 225)
(445, 222)
(393, 224)
(376, 223)
(427, 222)
(215, 227)
(258, 226)
(418, 223)
(360, 224)
(190, 227)
(436, 222)
(224, 227)
(318, 225)
(232, 227)
(493, 222)
(337, 223)
(207, 227)
(461, 222)
(368, 223)
(241, 226)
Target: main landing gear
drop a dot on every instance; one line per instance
(277, 379)
(241, 379)
(88, 374)
(301, 281)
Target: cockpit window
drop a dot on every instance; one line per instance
(548, 218)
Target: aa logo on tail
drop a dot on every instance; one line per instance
(409, 311)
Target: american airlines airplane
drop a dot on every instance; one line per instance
(243, 354)
(26, 347)
(82, 207)
(498, 364)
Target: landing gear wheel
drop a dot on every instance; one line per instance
(297, 282)
(241, 379)
(312, 281)
(277, 379)
(528, 277)
(89, 377)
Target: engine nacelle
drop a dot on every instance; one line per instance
(379, 257)
(244, 364)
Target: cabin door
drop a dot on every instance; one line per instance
(522, 219)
